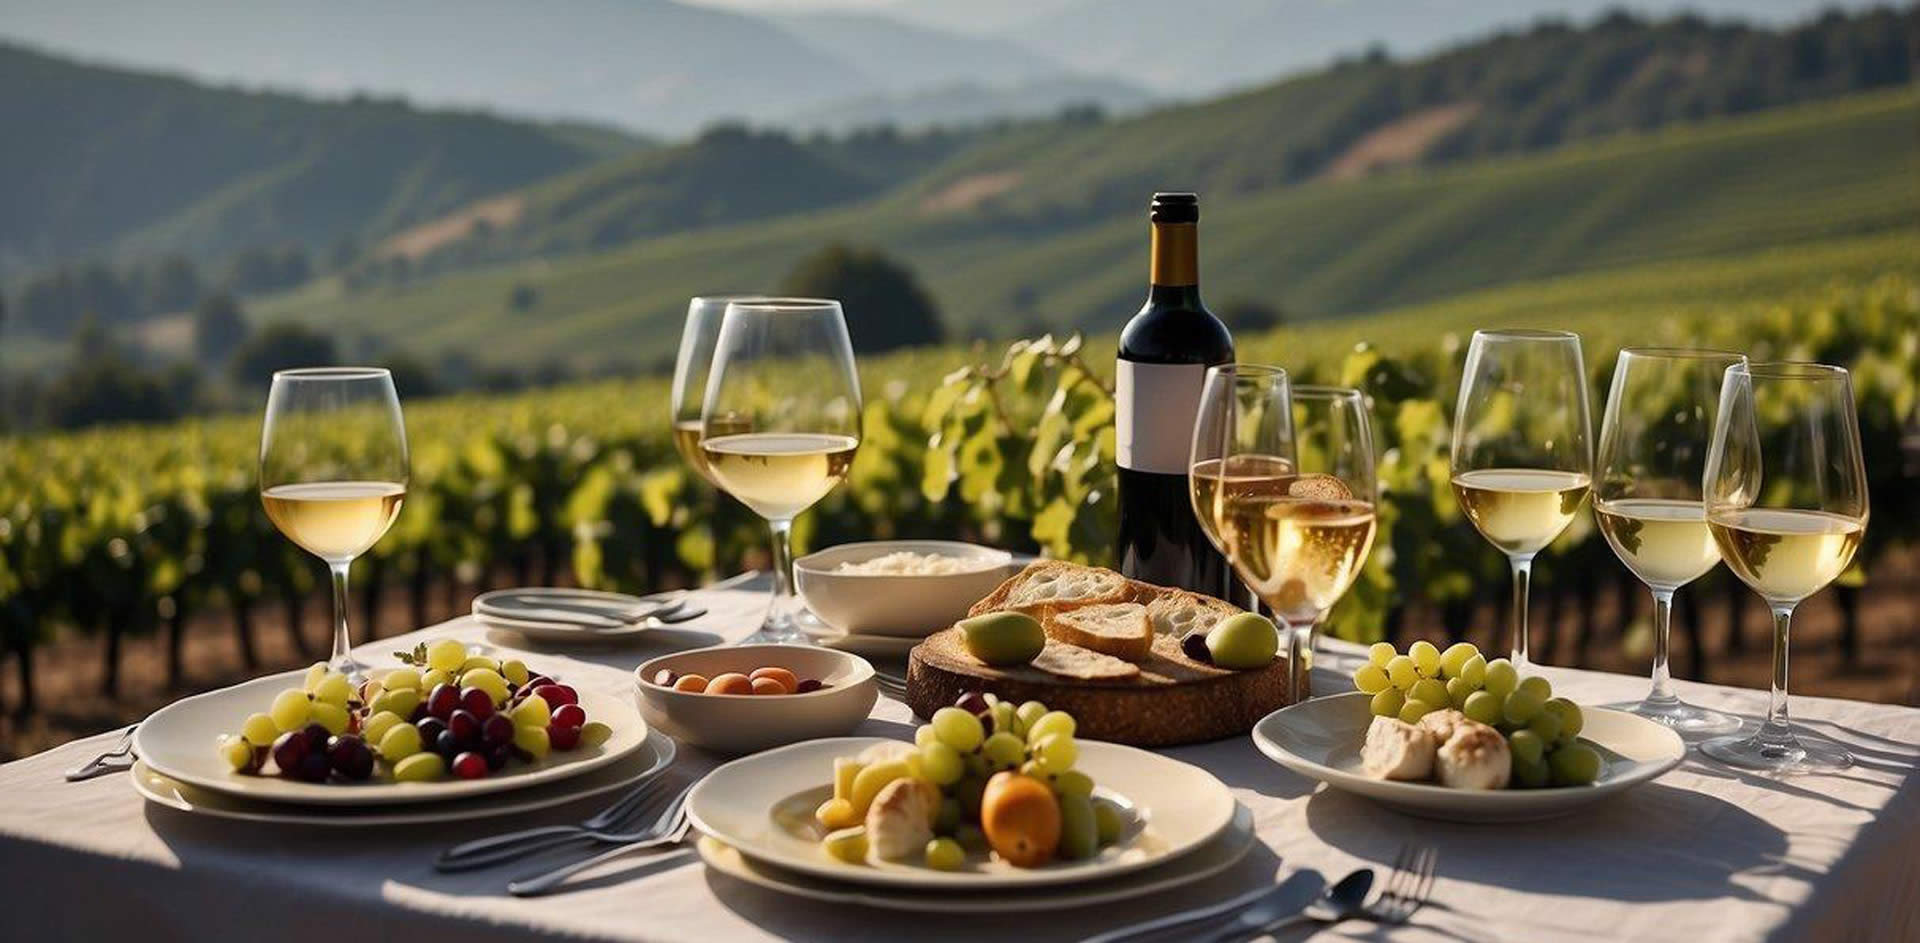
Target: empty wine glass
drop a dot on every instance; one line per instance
(334, 471)
(1646, 497)
(1522, 457)
(784, 367)
(1786, 500)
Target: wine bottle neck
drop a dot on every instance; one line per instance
(1176, 257)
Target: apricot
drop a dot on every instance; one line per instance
(733, 682)
(1021, 819)
(788, 680)
(768, 686)
(692, 684)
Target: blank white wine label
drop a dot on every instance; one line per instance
(1155, 405)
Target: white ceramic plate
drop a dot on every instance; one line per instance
(1206, 861)
(519, 610)
(177, 741)
(1180, 808)
(870, 646)
(1321, 739)
(657, 755)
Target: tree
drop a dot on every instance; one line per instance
(101, 385)
(523, 297)
(280, 347)
(885, 306)
(171, 284)
(219, 327)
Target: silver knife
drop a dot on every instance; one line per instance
(1287, 897)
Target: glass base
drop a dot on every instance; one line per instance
(349, 666)
(777, 631)
(1684, 717)
(1789, 754)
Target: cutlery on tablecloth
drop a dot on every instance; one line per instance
(670, 829)
(1407, 890)
(895, 686)
(117, 760)
(1299, 889)
(642, 803)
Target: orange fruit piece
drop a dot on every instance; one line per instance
(768, 686)
(787, 679)
(692, 684)
(733, 682)
(1021, 819)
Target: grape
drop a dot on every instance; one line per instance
(259, 730)
(370, 689)
(444, 700)
(847, 844)
(1413, 710)
(974, 702)
(1079, 833)
(314, 767)
(333, 717)
(486, 680)
(1050, 723)
(1431, 690)
(1458, 690)
(1474, 671)
(447, 655)
(1073, 783)
(570, 715)
(1003, 750)
(1110, 822)
(237, 752)
(968, 790)
(350, 757)
(959, 729)
(1455, 658)
(470, 766)
(941, 763)
(948, 817)
(514, 670)
(1530, 775)
(1055, 753)
(335, 690)
(289, 750)
(923, 735)
(945, 854)
(1546, 724)
(465, 727)
(290, 709)
(1501, 677)
(1537, 686)
(1028, 713)
(1571, 721)
(496, 730)
(1379, 653)
(430, 729)
(476, 702)
(593, 733)
(316, 673)
(1372, 679)
(1426, 658)
(1402, 672)
(400, 742)
(1001, 713)
(400, 702)
(1520, 708)
(531, 712)
(377, 725)
(317, 736)
(1526, 746)
(420, 768)
(447, 745)
(433, 678)
(1483, 706)
(400, 678)
(810, 685)
(1575, 764)
(557, 694)
(1387, 703)
(474, 662)
(532, 740)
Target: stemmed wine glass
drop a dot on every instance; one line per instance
(1786, 499)
(333, 471)
(1209, 463)
(1522, 457)
(783, 367)
(1646, 498)
(690, 373)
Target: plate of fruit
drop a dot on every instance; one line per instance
(444, 725)
(999, 798)
(1451, 735)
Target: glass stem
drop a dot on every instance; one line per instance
(1776, 732)
(780, 608)
(1522, 575)
(342, 660)
(1662, 692)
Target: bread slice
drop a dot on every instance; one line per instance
(1177, 612)
(1072, 661)
(1120, 629)
(1047, 587)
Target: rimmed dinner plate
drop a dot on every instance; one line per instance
(648, 761)
(1211, 858)
(178, 741)
(1321, 739)
(762, 806)
(530, 612)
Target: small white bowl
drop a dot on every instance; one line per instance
(897, 604)
(747, 723)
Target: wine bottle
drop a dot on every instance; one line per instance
(1164, 355)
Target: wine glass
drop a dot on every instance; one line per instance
(1786, 499)
(1522, 457)
(1208, 460)
(1647, 499)
(333, 471)
(783, 367)
(690, 372)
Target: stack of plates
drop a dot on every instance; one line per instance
(180, 769)
(1188, 828)
(567, 615)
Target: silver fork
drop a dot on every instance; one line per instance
(670, 829)
(1407, 890)
(116, 760)
(893, 686)
(610, 824)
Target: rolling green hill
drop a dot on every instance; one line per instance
(1795, 177)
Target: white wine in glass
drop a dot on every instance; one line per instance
(334, 472)
(691, 368)
(784, 368)
(1522, 462)
(1786, 500)
(1647, 501)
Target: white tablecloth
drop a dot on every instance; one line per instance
(1704, 854)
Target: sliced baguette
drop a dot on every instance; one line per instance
(1120, 629)
(1072, 661)
(1047, 587)
(1178, 613)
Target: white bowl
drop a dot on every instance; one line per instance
(747, 723)
(897, 604)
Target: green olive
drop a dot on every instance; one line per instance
(1003, 638)
(1247, 640)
